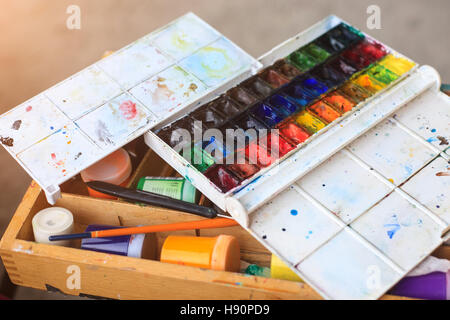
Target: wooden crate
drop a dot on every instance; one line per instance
(48, 267)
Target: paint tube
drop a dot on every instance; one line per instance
(177, 188)
(432, 286)
(134, 245)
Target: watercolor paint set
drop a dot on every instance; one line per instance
(350, 191)
(299, 96)
(359, 127)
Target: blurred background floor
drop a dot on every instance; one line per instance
(37, 50)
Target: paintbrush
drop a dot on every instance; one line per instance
(190, 225)
(151, 198)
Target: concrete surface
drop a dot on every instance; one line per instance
(37, 50)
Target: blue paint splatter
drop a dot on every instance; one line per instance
(409, 170)
(433, 130)
(51, 128)
(432, 139)
(294, 212)
(309, 233)
(395, 227)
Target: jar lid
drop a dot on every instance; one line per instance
(52, 221)
(114, 168)
(226, 254)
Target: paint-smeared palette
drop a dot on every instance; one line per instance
(341, 203)
(398, 225)
(387, 192)
(87, 116)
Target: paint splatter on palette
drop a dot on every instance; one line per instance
(343, 203)
(364, 218)
(84, 118)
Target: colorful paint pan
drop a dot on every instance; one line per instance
(282, 105)
(293, 133)
(273, 78)
(368, 83)
(354, 92)
(338, 38)
(339, 102)
(246, 122)
(276, 145)
(324, 111)
(286, 69)
(371, 48)
(311, 123)
(222, 178)
(214, 146)
(316, 52)
(355, 58)
(244, 170)
(226, 107)
(267, 114)
(398, 65)
(257, 87)
(302, 61)
(342, 67)
(298, 94)
(381, 74)
(181, 130)
(208, 117)
(329, 76)
(314, 86)
(243, 97)
(365, 53)
(200, 159)
(257, 153)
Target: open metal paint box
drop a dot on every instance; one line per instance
(345, 209)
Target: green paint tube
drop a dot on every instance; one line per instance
(177, 188)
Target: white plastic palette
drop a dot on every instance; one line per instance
(353, 227)
(79, 121)
(351, 211)
(346, 211)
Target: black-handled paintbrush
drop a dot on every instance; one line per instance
(151, 198)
